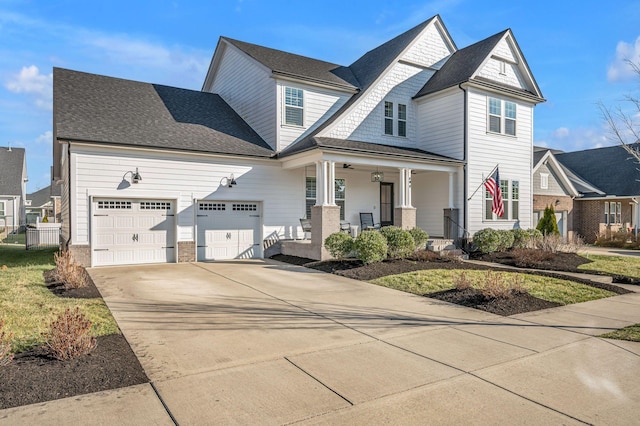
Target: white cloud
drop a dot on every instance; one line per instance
(576, 139)
(620, 70)
(561, 133)
(46, 138)
(31, 82)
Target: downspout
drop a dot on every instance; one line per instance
(66, 244)
(635, 201)
(465, 202)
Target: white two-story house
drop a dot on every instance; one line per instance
(407, 132)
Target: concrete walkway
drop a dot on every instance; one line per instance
(259, 342)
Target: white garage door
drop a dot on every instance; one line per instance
(133, 231)
(228, 230)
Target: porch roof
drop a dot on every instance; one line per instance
(359, 147)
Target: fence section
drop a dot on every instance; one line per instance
(43, 236)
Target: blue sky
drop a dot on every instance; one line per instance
(576, 50)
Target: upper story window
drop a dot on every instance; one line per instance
(397, 113)
(544, 180)
(294, 106)
(502, 117)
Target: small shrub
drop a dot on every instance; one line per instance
(420, 237)
(5, 346)
(425, 256)
(548, 224)
(68, 271)
(461, 281)
(495, 286)
(69, 335)
(572, 245)
(400, 243)
(371, 247)
(613, 239)
(505, 239)
(339, 244)
(486, 240)
(530, 258)
(535, 237)
(521, 238)
(550, 243)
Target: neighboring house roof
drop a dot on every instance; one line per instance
(100, 109)
(297, 66)
(40, 197)
(344, 145)
(611, 169)
(11, 170)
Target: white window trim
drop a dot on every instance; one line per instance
(3, 208)
(544, 180)
(285, 106)
(395, 118)
(503, 117)
(507, 199)
(344, 200)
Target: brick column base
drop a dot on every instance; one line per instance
(186, 251)
(81, 254)
(325, 220)
(405, 217)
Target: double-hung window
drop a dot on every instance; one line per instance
(2, 213)
(511, 199)
(397, 114)
(294, 106)
(612, 213)
(310, 195)
(502, 117)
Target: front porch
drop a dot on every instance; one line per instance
(395, 191)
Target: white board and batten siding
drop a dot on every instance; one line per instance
(249, 89)
(512, 153)
(184, 178)
(318, 105)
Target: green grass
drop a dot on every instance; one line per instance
(552, 289)
(13, 239)
(631, 333)
(613, 265)
(28, 307)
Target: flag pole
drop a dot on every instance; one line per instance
(483, 181)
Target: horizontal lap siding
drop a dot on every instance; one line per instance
(249, 90)
(186, 178)
(485, 150)
(441, 125)
(555, 188)
(430, 196)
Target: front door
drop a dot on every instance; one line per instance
(386, 204)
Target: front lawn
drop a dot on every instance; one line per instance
(631, 333)
(560, 291)
(613, 265)
(27, 306)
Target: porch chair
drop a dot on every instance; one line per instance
(306, 227)
(366, 222)
(345, 226)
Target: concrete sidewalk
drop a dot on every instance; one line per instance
(259, 342)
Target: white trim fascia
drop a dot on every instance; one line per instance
(581, 181)
(607, 197)
(501, 91)
(277, 75)
(548, 156)
(382, 75)
(435, 95)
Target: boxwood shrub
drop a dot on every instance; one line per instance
(486, 240)
(371, 246)
(400, 243)
(339, 244)
(505, 239)
(420, 237)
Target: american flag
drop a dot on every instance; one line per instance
(492, 183)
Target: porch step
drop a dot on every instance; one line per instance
(446, 248)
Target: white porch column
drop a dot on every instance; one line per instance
(405, 188)
(320, 178)
(332, 183)
(451, 186)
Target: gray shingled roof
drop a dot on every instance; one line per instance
(302, 67)
(351, 146)
(40, 197)
(611, 169)
(96, 108)
(461, 65)
(11, 164)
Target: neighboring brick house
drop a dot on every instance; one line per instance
(593, 191)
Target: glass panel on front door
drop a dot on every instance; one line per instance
(386, 204)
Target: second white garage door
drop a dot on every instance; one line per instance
(228, 230)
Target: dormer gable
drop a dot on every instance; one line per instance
(496, 63)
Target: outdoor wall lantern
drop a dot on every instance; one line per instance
(135, 176)
(377, 176)
(229, 181)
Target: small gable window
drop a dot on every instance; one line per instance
(294, 106)
(502, 117)
(397, 113)
(544, 180)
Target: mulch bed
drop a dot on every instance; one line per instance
(516, 304)
(33, 376)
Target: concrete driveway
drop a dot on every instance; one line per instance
(259, 342)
